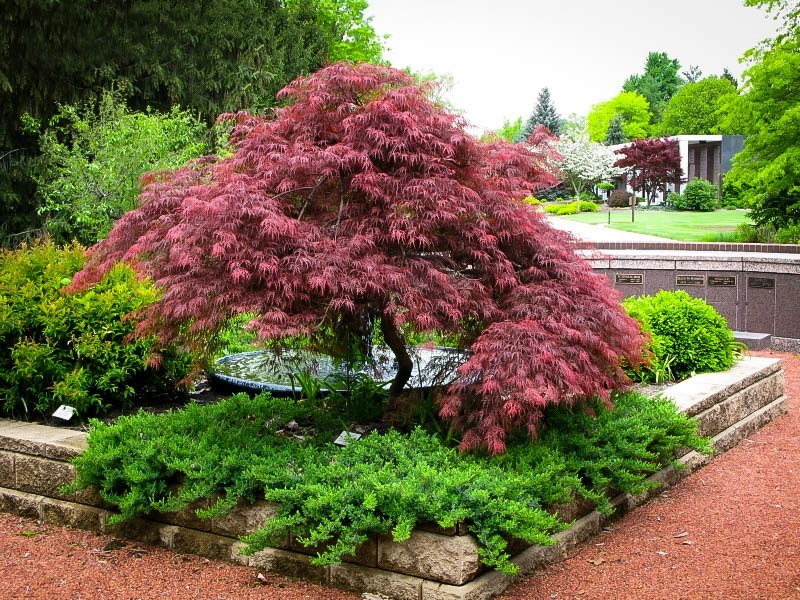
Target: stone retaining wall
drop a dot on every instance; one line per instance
(755, 292)
(434, 564)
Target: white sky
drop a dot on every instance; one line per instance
(500, 53)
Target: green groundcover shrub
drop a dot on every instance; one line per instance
(385, 483)
(73, 349)
(687, 335)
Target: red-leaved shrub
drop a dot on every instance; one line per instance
(362, 202)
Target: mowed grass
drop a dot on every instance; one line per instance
(686, 226)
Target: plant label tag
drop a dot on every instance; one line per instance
(346, 437)
(64, 412)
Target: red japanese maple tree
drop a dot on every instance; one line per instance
(361, 203)
(652, 164)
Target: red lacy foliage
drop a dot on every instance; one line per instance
(653, 164)
(363, 200)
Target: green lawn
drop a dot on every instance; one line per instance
(677, 225)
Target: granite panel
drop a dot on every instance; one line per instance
(787, 320)
(759, 318)
(787, 289)
(655, 281)
(729, 310)
(718, 293)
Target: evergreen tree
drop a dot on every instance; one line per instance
(209, 57)
(544, 114)
(658, 83)
(615, 133)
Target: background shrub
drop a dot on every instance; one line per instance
(699, 195)
(573, 208)
(74, 349)
(91, 164)
(749, 234)
(687, 334)
(788, 235)
(558, 192)
(619, 199)
(732, 193)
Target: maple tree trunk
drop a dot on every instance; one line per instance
(405, 365)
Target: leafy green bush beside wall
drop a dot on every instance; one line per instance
(687, 334)
(73, 349)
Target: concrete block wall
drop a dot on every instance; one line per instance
(434, 564)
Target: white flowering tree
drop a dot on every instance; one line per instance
(585, 163)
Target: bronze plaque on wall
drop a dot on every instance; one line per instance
(684, 280)
(721, 281)
(764, 283)
(629, 278)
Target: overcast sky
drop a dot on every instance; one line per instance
(500, 53)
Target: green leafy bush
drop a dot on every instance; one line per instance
(619, 199)
(73, 349)
(531, 200)
(573, 208)
(385, 483)
(92, 162)
(699, 195)
(562, 209)
(749, 234)
(687, 334)
(734, 193)
(788, 235)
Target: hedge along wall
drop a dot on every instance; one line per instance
(434, 564)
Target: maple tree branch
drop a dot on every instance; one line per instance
(405, 365)
(311, 195)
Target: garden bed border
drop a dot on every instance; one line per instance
(435, 564)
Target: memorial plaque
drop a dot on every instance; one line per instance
(721, 281)
(764, 283)
(687, 280)
(629, 278)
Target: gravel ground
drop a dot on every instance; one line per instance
(729, 531)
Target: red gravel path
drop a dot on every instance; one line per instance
(729, 531)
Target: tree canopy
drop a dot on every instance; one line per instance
(632, 107)
(212, 57)
(543, 114)
(697, 108)
(767, 170)
(207, 57)
(658, 83)
(585, 163)
(652, 164)
(362, 206)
